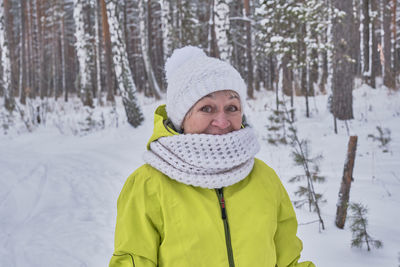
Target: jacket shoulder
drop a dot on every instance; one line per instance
(144, 180)
(267, 176)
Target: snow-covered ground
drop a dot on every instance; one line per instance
(59, 187)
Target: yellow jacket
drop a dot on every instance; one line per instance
(161, 222)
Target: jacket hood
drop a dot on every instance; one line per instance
(161, 127)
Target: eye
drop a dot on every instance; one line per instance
(206, 109)
(232, 108)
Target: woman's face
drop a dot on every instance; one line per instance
(216, 113)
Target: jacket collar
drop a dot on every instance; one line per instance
(161, 126)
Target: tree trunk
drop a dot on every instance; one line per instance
(221, 21)
(30, 54)
(5, 58)
(62, 44)
(343, 71)
(388, 75)
(213, 50)
(97, 46)
(250, 90)
(347, 178)
(374, 49)
(23, 54)
(287, 87)
(365, 70)
(394, 43)
(123, 72)
(107, 50)
(144, 40)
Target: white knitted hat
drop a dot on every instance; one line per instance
(191, 75)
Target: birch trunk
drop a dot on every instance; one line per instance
(5, 59)
(122, 70)
(222, 28)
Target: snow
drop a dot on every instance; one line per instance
(58, 191)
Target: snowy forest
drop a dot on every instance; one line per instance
(80, 80)
(97, 50)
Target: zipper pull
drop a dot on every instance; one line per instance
(222, 202)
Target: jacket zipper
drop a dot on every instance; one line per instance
(221, 199)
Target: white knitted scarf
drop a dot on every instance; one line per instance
(205, 160)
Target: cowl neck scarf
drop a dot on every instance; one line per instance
(205, 160)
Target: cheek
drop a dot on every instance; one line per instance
(237, 122)
(196, 123)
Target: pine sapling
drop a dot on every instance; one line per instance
(358, 226)
(302, 158)
(276, 127)
(383, 138)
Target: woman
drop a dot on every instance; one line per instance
(202, 199)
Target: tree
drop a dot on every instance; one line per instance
(107, 50)
(221, 22)
(144, 41)
(23, 68)
(84, 53)
(122, 70)
(6, 75)
(359, 224)
(249, 52)
(343, 71)
(388, 9)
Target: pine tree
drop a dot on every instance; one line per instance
(383, 137)
(302, 157)
(358, 226)
(277, 127)
(343, 61)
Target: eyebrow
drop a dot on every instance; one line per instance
(232, 96)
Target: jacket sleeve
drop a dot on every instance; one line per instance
(137, 231)
(288, 245)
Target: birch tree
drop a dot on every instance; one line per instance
(123, 73)
(5, 61)
(221, 9)
(83, 50)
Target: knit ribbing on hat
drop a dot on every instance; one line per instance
(192, 75)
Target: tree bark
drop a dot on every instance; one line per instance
(347, 178)
(250, 89)
(343, 60)
(287, 87)
(388, 75)
(144, 40)
(365, 42)
(97, 47)
(107, 50)
(374, 49)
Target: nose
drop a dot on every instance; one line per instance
(221, 121)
